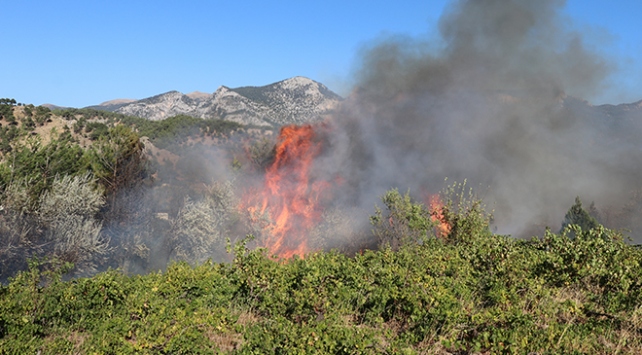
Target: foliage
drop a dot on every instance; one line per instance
(405, 221)
(7, 135)
(579, 216)
(176, 129)
(96, 130)
(596, 256)
(53, 206)
(199, 231)
(61, 223)
(479, 295)
(118, 162)
(17, 225)
(89, 113)
(39, 163)
(261, 153)
(70, 196)
(8, 102)
(41, 115)
(464, 291)
(67, 213)
(6, 109)
(465, 213)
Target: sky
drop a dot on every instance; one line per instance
(82, 53)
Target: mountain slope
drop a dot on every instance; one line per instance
(294, 100)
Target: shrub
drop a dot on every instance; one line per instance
(596, 257)
(67, 212)
(403, 222)
(61, 223)
(465, 214)
(200, 228)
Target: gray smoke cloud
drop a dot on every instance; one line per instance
(494, 101)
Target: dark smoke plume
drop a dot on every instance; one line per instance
(494, 102)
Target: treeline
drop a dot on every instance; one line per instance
(163, 133)
(15, 128)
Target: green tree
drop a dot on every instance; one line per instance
(28, 110)
(28, 123)
(96, 130)
(6, 110)
(579, 216)
(8, 102)
(119, 163)
(39, 164)
(42, 114)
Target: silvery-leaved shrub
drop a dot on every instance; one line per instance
(67, 215)
(201, 227)
(18, 234)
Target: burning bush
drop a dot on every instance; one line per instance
(289, 205)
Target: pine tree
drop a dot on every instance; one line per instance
(579, 216)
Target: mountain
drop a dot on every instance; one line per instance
(54, 107)
(294, 100)
(112, 105)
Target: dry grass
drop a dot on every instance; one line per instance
(224, 341)
(78, 339)
(246, 318)
(50, 129)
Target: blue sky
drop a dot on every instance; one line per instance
(80, 53)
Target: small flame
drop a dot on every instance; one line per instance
(436, 208)
(289, 197)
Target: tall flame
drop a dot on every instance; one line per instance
(290, 197)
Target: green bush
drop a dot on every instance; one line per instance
(403, 222)
(39, 164)
(478, 295)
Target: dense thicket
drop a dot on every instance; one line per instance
(134, 227)
(472, 293)
(55, 197)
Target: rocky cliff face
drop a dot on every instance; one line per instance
(295, 100)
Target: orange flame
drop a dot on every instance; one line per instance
(436, 208)
(289, 196)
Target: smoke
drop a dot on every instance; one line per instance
(493, 101)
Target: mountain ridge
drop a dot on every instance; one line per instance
(290, 101)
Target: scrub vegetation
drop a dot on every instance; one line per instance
(469, 292)
(104, 251)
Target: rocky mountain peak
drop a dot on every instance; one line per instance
(197, 95)
(294, 100)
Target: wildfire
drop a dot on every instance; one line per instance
(436, 208)
(290, 197)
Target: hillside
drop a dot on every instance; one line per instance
(101, 155)
(127, 235)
